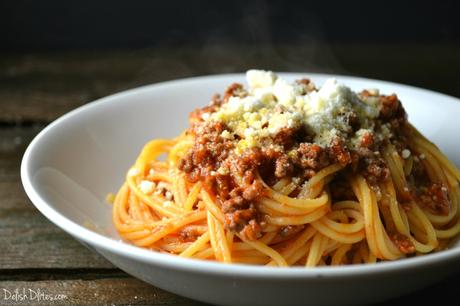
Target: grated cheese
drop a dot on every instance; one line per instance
(146, 186)
(405, 153)
(273, 103)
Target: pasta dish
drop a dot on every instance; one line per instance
(282, 173)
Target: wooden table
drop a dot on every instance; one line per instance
(37, 88)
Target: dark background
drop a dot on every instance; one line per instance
(70, 25)
(412, 42)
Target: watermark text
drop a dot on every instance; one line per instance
(29, 294)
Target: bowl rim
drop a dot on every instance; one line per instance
(125, 249)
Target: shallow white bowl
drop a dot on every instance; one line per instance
(70, 167)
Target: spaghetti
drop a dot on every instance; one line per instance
(257, 180)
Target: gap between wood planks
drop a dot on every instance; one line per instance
(40, 274)
(27, 239)
(41, 87)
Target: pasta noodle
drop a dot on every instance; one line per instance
(257, 212)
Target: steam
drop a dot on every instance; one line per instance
(220, 52)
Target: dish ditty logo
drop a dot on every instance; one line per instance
(29, 294)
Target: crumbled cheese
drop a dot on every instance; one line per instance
(405, 153)
(385, 131)
(162, 185)
(374, 91)
(357, 139)
(226, 135)
(160, 188)
(260, 78)
(272, 104)
(167, 203)
(223, 171)
(264, 94)
(236, 107)
(168, 195)
(205, 116)
(285, 93)
(146, 186)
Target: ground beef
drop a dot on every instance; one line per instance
(436, 198)
(252, 230)
(253, 190)
(372, 166)
(369, 160)
(307, 85)
(238, 204)
(366, 93)
(367, 140)
(403, 243)
(216, 101)
(352, 119)
(224, 183)
(234, 203)
(207, 153)
(249, 160)
(376, 170)
(292, 153)
(197, 114)
(389, 106)
(242, 217)
(234, 90)
(310, 155)
(338, 151)
(283, 166)
(285, 137)
(189, 234)
(393, 113)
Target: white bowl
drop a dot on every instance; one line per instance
(70, 167)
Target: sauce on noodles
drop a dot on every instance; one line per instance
(287, 174)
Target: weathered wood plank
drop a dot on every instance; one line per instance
(27, 238)
(45, 86)
(38, 88)
(36, 243)
(121, 289)
(13, 141)
(112, 291)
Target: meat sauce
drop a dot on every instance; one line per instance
(231, 177)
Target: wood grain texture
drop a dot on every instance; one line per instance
(105, 291)
(41, 87)
(27, 238)
(37, 88)
(120, 289)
